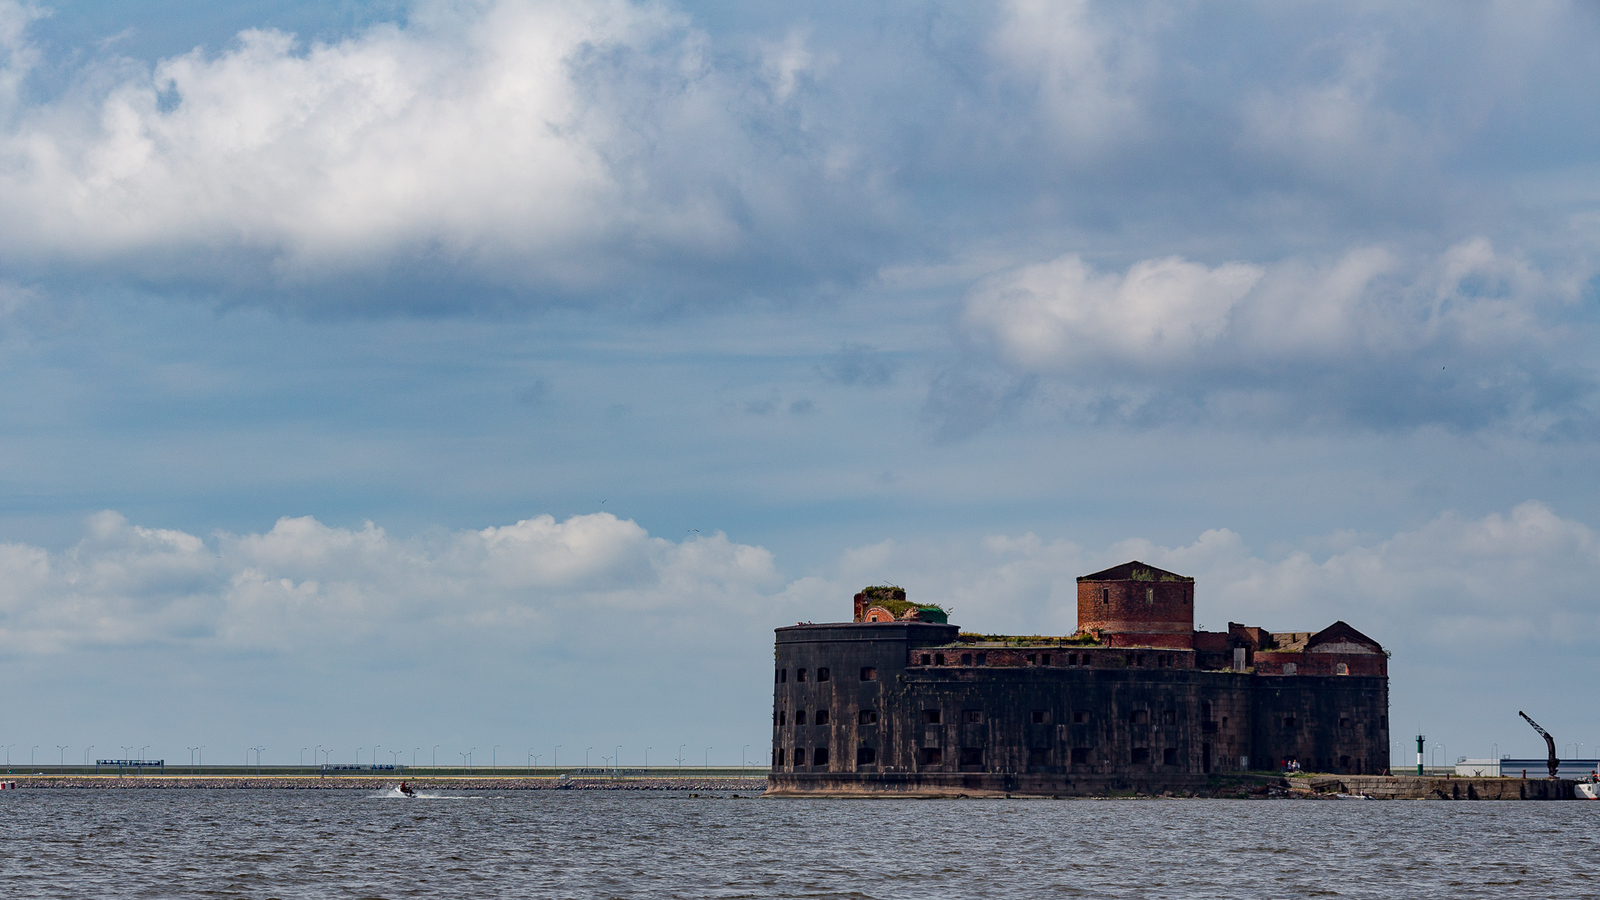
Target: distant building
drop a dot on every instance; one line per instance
(898, 700)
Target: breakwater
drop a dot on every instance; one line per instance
(1422, 787)
(314, 783)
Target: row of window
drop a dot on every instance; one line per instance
(974, 756)
(1131, 660)
(781, 676)
(976, 717)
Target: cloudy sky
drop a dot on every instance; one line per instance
(499, 374)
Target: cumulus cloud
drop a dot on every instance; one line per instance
(540, 145)
(305, 585)
(1297, 332)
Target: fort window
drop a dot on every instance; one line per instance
(1141, 756)
(1169, 717)
(1344, 762)
(1344, 722)
(938, 659)
(1080, 717)
(1149, 595)
(867, 717)
(1038, 757)
(866, 756)
(1038, 716)
(822, 675)
(1383, 721)
(966, 659)
(1033, 659)
(927, 659)
(1080, 756)
(930, 717)
(1288, 721)
(1140, 717)
(1105, 595)
(972, 756)
(1169, 756)
(1127, 660)
(930, 756)
(868, 673)
(821, 718)
(1205, 710)
(983, 659)
(783, 717)
(780, 756)
(799, 717)
(783, 676)
(820, 757)
(1290, 669)
(1044, 660)
(1341, 669)
(799, 674)
(972, 716)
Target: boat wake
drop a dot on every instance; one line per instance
(393, 793)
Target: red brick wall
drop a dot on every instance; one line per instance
(1137, 607)
(1271, 662)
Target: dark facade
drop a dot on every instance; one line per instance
(1136, 700)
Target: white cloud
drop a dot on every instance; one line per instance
(1087, 78)
(1369, 307)
(529, 143)
(304, 585)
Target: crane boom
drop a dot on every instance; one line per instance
(1554, 762)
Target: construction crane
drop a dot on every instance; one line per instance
(1549, 741)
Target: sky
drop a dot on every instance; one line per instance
(491, 378)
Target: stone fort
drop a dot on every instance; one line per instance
(900, 701)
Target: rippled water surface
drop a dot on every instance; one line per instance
(259, 843)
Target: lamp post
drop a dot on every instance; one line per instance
(647, 760)
(358, 755)
(708, 757)
(616, 761)
(63, 754)
(494, 759)
(741, 759)
(555, 759)
(586, 756)
(680, 759)
(86, 755)
(436, 760)
(316, 752)
(375, 748)
(31, 763)
(470, 751)
(191, 759)
(302, 759)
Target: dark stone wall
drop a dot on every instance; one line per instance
(1055, 729)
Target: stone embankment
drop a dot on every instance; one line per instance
(1420, 787)
(313, 783)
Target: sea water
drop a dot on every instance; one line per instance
(359, 844)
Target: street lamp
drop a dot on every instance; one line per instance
(86, 755)
(436, 760)
(374, 755)
(63, 748)
(586, 756)
(470, 751)
(303, 756)
(555, 759)
(741, 759)
(647, 760)
(616, 761)
(191, 759)
(708, 757)
(680, 759)
(494, 759)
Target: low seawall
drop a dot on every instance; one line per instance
(313, 783)
(1421, 787)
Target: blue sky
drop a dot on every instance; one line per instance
(490, 373)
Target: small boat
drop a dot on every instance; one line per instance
(1587, 788)
(1355, 796)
